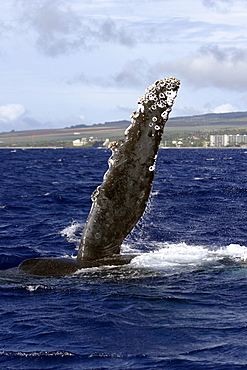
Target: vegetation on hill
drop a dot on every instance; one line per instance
(192, 131)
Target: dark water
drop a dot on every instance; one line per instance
(181, 304)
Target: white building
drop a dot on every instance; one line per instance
(80, 142)
(227, 140)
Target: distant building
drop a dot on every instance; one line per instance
(80, 142)
(227, 140)
(106, 143)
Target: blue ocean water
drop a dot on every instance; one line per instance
(180, 304)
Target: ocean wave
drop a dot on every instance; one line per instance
(33, 288)
(36, 354)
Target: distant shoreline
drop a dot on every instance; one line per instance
(62, 147)
(33, 147)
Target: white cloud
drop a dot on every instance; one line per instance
(133, 74)
(60, 30)
(211, 66)
(219, 4)
(225, 108)
(11, 112)
(222, 5)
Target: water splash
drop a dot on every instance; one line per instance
(183, 255)
(73, 232)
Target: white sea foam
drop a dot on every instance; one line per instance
(154, 193)
(33, 288)
(36, 354)
(129, 249)
(167, 255)
(173, 258)
(73, 232)
(178, 255)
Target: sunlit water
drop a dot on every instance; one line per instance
(179, 304)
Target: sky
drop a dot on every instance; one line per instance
(72, 62)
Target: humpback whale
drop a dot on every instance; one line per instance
(119, 202)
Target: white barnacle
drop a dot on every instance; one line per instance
(162, 96)
(95, 193)
(164, 115)
(153, 107)
(151, 168)
(157, 127)
(161, 104)
(170, 101)
(111, 161)
(140, 107)
(135, 114)
(154, 119)
(127, 130)
(152, 88)
(150, 124)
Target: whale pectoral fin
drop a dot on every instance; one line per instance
(66, 266)
(119, 202)
(50, 266)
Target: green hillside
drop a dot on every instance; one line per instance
(63, 137)
(210, 121)
(202, 125)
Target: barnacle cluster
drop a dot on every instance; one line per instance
(157, 103)
(147, 122)
(160, 96)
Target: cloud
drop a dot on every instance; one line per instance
(84, 79)
(5, 31)
(4, 28)
(211, 66)
(223, 68)
(213, 3)
(59, 30)
(219, 4)
(11, 112)
(222, 5)
(107, 31)
(225, 108)
(133, 74)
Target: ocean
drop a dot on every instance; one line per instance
(180, 304)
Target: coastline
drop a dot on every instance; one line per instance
(33, 147)
(162, 148)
